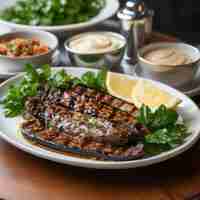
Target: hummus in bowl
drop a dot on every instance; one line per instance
(96, 43)
(167, 56)
(172, 63)
(96, 49)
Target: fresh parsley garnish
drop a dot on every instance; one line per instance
(170, 136)
(93, 80)
(60, 80)
(52, 12)
(166, 131)
(17, 94)
(160, 118)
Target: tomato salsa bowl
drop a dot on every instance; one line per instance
(20, 48)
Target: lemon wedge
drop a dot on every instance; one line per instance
(120, 86)
(147, 93)
(139, 92)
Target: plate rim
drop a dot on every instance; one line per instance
(88, 163)
(113, 5)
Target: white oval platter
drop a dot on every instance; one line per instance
(187, 109)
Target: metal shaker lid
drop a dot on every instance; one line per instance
(134, 9)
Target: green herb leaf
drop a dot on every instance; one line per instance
(101, 79)
(13, 102)
(89, 79)
(31, 74)
(60, 79)
(93, 80)
(164, 117)
(166, 133)
(158, 137)
(52, 12)
(145, 116)
(44, 73)
(172, 136)
(158, 119)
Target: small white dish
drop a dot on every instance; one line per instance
(111, 57)
(173, 75)
(188, 110)
(108, 11)
(16, 64)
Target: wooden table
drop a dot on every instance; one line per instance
(25, 177)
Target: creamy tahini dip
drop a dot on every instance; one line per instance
(167, 56)
(96, 43)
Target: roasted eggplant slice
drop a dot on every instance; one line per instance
(84, 121)
(90, 148)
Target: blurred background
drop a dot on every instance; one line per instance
(180, 18)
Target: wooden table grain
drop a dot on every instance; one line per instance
(25, 177)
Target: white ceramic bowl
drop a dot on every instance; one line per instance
(12, 65)
(176, 76)
(109, 59)
(108, 11)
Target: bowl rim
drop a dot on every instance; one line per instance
(193, 62)
(37, 32)
(115, 34)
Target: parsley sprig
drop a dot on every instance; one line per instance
(17, 94)
(163, 124)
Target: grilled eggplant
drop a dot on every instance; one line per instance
(85, 121)
(79, 144)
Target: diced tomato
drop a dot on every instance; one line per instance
(22, 47)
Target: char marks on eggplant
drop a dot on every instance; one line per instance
(84, 121)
